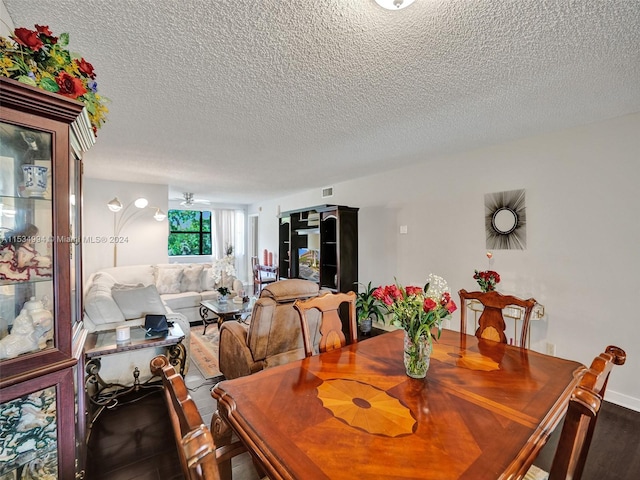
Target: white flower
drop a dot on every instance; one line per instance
(224, 265)
(437, 286)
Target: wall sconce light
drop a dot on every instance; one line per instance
(126, 215)
(394, 4)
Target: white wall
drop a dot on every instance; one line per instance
(583, 233)
(6, 25)
(144, 239)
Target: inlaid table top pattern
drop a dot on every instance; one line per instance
(483, 412)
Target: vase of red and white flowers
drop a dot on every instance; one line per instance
(418, 311)
(487, 280)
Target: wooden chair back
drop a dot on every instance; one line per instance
(196, 447)
(491, 322)
(329, 305)
(258, 278)
(582, 413)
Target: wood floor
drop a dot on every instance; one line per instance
(135, 442)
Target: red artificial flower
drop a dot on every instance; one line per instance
(413, 290)
(28, 38)
(44, 29)
(86, 68)
(429, 304)
(70, 86)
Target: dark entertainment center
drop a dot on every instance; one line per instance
(320, 244)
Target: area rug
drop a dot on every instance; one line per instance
(204, 350)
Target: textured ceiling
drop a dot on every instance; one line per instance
(240, 100)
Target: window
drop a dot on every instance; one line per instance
(189, 232)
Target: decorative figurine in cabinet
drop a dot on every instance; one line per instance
(37, 313)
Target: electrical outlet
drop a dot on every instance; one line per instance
(551, 349)
(403, 229)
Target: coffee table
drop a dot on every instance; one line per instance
(224, 311)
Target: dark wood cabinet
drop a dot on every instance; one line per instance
(41, 332)
(320, 244)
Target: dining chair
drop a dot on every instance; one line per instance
(196, 447)
(580, 419)
(260, 277)
(331, 327)
(491, 325)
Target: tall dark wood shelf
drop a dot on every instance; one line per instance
(332, 230)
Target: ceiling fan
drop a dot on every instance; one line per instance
(188, 200)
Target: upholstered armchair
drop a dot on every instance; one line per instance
(273, 335)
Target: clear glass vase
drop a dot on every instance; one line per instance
(417, 356)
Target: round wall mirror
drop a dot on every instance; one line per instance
(504, 221)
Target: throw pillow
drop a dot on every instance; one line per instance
(191, 278)
(168, 279)
(208, 283)
(100, 306)
(138, 301)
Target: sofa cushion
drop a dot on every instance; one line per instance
(136, 302)
(100, 306)
(168, 279)
(191, 278)
(208, 283)
(131, 274)
(103, 278)
(177, 301)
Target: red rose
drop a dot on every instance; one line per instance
(70, 86)
(451, 306)
(429, 304)
(387, 300)
(445, 298)
(86, 68)
(28, 38)
(393, 291)
(413, 290)
(378, 293)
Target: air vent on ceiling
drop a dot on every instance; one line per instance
(327, 192)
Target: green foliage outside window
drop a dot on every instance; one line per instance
(189, 232)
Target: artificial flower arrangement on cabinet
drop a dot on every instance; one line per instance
(418, 311)
(40, 59)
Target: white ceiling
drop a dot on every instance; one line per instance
(240, 100)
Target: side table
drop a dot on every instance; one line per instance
(102, 394)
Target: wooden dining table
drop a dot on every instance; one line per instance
(484, 411)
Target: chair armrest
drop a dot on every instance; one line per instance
(235, 358)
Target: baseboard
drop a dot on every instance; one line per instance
(623, 400)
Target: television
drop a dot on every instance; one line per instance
(309, 264)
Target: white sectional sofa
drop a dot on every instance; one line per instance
(124, 295)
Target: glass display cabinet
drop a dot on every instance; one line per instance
(40, 281)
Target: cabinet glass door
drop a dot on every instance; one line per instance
(26, 242)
